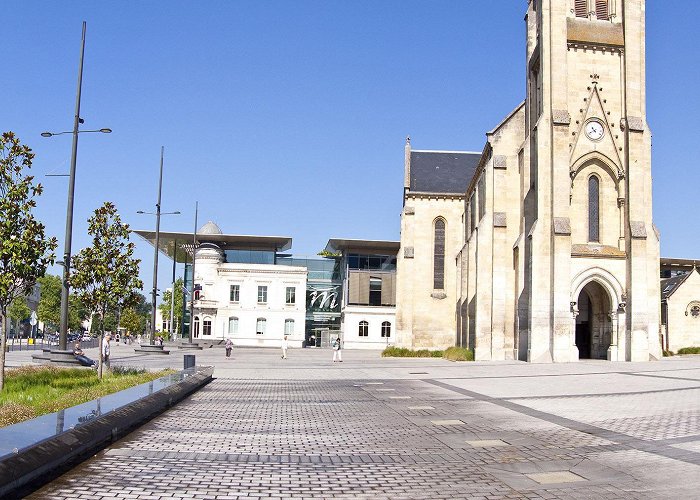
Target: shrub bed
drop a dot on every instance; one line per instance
(689, 350)
(458, 354)
(451, 353)
(32, 391)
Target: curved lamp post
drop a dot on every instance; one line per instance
(157, 213)
(63, 331)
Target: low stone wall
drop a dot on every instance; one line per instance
(42, 462)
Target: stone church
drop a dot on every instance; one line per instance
(542, 247)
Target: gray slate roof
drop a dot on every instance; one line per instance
(442, 172)
(670, 285)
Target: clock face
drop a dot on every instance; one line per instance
(594, 130)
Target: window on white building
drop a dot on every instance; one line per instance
(196, 327)
(260, 326)
(364, 329)
(207, 326)
(235, 293)
(262, 294)
(386, 329)
(289, 327)
(233, 325)
(291, 295)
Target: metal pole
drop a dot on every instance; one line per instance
(184, 303)
(194, 251)
(154, 293)
(172, 295)
(63, 331)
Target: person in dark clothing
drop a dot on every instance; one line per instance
(81, 357)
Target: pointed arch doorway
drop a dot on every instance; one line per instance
(593, 322)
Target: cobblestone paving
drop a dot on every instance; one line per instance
(338, 437)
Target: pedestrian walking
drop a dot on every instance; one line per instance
(285, 346)
(106, 350)
(229, 347)
(336, 350)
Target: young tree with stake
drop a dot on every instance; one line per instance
(105, 275)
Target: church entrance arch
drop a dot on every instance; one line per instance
(593, 322)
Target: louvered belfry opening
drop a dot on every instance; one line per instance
(601, 9)
(581, 8)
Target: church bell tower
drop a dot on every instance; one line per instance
(591, 263)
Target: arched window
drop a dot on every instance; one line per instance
(593, 209)
(196, 327)
(364, 329)
(289, 327)
(386, 329)
(206, 330)
(439, 255)
(260, 326)
(233, 325)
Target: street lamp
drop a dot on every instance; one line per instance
(102, 130)
(63, 331)
(157, 213)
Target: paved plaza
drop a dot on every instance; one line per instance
(406, 428)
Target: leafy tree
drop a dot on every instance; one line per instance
(18, 311)
(132, 321)
(105, 275)
(25, 251)
(167, 298)
(49, 309)
(77, 313)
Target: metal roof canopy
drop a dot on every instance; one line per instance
(345, 246)
(183, 251)
(669, 264)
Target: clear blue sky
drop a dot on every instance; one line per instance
(289, 118)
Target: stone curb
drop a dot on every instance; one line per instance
(42, 462)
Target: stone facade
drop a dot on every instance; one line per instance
(681, 311)
(551, 252)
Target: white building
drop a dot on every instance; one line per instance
(368, 308)
(241, 292)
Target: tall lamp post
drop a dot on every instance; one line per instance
(157, 213)
(63, 331)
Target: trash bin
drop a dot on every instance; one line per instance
(189, 361)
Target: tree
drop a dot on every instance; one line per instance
(49, 309)
(167, 298)
(18, 311)
(25, 251)
(105, 275)
(132, 321)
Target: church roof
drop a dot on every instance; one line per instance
(670, 285)
(442, 171)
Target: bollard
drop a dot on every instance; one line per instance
(189, 361)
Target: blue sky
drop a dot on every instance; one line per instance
(289, 118)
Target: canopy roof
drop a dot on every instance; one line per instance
(180, 245)
(382, 247)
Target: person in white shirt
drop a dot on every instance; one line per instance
(285, 346)
(336, 350)
(106, 350)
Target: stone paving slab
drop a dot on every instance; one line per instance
(335, 436)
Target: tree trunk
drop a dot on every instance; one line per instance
(102, 336)
(3, 349)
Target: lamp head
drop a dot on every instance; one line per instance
(46, 134)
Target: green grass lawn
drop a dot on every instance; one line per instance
(31, 391)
